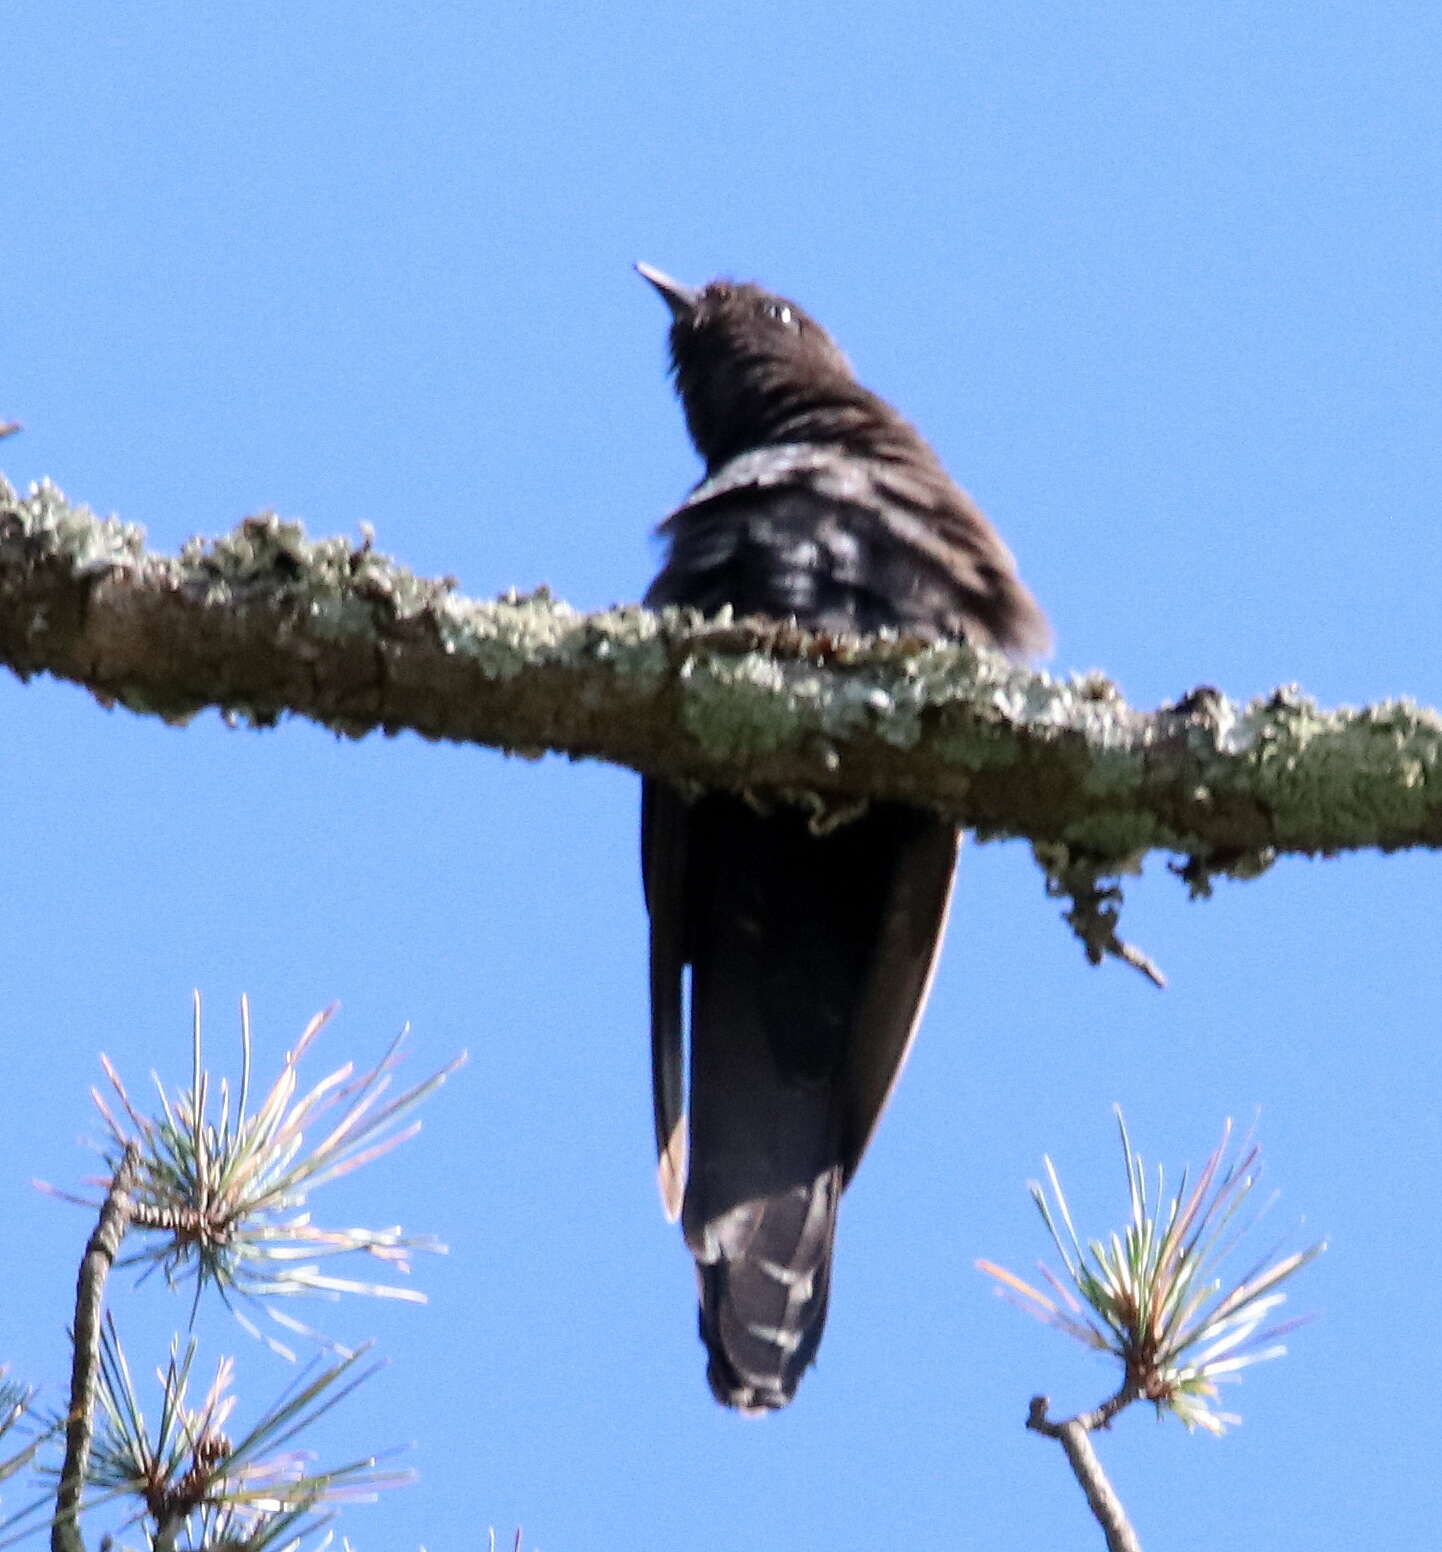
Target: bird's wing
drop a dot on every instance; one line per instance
(912, 926)
(841, 542)
(663, 872)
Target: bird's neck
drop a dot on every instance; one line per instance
(852, 420)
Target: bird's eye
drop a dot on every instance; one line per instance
(783, 315)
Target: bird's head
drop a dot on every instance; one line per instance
(744, 360)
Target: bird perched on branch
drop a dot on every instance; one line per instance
(809, 954)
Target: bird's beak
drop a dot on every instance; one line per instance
(680, 299)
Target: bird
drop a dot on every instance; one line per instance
(809, 949)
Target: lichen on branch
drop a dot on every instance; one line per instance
(262, 623)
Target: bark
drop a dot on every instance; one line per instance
(263, 623)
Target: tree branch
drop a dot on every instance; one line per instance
(1074, 1436)
(95, 1267)
(263, 622)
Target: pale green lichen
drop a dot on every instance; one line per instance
(93, 544)
(502, 639)
(723, 711)
(1323, 771)
(518, 633)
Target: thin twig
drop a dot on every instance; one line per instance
(167, 1532)
(95, 1267)
(1074, 1437)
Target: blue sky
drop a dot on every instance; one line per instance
(1161, 285)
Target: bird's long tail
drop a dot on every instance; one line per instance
(765, 1275)
(809, 957)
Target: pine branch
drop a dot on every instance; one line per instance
(1074, 1436)
(99, 1258)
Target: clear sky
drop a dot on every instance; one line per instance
(1160, 282)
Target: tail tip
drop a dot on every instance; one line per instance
(743, 1396)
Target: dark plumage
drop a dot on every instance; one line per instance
(809, 955)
